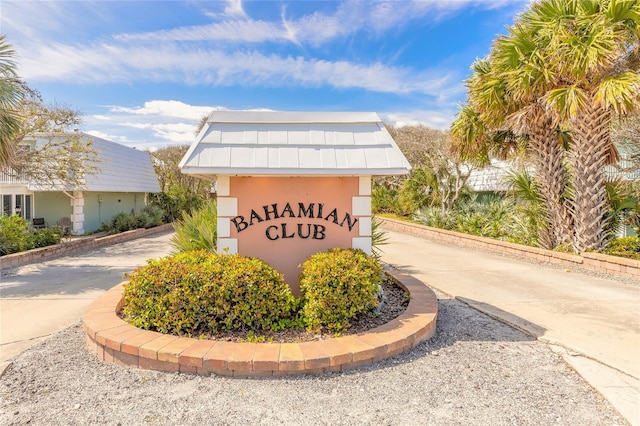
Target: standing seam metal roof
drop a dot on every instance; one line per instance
(294, 143)
(122, 169)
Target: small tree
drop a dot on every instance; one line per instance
(180, 192)
(439, 175)
(64, 159)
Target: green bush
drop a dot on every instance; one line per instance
(417, 191)
(175, 201)
(14, 235)
(628, 247)
(337, 286)
(197, 230)
(46, 237)
(199, 291)
(384, 200)
(148, 217)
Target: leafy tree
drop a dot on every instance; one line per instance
(439, 175)
(180, 192)
(51, 150)
(64, 158)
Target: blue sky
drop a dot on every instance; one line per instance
(142, 73)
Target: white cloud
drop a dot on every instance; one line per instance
(234, 8)
(216, 53)
(108, 63)
(155, 124)
(176, 109)
(437, 119)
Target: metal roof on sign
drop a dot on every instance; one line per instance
(259, 143)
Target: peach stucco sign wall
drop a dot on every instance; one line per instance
(284, 220)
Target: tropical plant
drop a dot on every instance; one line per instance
(197, 230)
(623, 201)
(11, 95)
(378, 237)
(565, 65)
(384, 199)
(628, 247)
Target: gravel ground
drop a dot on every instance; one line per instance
(475, 371)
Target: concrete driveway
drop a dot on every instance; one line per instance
(593, 321)
(39, 300)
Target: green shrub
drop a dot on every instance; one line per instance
(153, 216)
(337, 286)
(417, 191)
(628, 247)
(384, 200)
(197, 230)
(148, 217)
(14, 235)
(175, 201)
(201, 291)
(46, 237)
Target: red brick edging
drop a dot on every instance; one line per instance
(113, 340)
(597, 262)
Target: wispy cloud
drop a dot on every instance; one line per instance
(195, 55)
(106, 63)
(167, 121)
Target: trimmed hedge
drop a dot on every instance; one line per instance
(337, 286)
(200, 291)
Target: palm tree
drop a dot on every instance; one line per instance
(503, 105)
(588, 52)
(11, 94)
(565, 65)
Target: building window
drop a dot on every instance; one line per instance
(7, 207)
(27, 207)
(19, 204)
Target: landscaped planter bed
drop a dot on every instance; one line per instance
(113, 340)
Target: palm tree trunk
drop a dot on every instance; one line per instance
(588, 156)
(547, 156)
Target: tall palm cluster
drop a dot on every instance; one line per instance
(552, 85)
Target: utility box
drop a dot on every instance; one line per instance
(292, 184)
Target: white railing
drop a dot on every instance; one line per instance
(9, 176)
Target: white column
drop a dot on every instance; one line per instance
(361, 207)
(227, 209)
(77, 213)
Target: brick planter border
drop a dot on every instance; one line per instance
(597, 262)
(113, 340)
